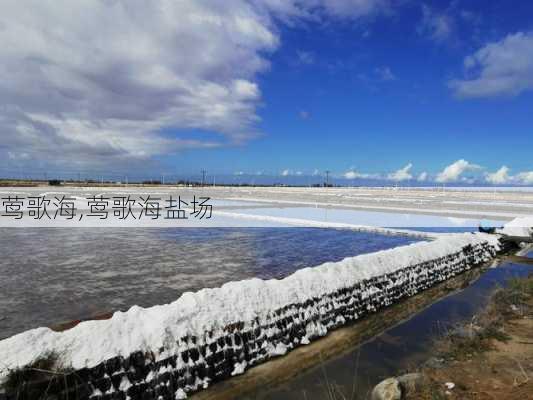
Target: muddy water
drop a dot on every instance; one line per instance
(353, 375)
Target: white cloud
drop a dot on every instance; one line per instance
(525, 177)
(99, 79)
(502, 177)
(454, 172)
(503, 68)
(101, 82)
(499, 177)
(403, 174)
(352, 174)
(422, 177)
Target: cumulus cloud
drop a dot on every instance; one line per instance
(108, 81)
(503, 176)
(422, 177)
(499, 177)
(454, 172)
(503, 68)
(352, 174)
(525, 177)
(403, 174)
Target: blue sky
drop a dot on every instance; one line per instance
(387, 90)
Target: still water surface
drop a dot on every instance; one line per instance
(52, 275)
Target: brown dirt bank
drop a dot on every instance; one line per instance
(492, 357)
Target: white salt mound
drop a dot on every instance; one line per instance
(519, 227)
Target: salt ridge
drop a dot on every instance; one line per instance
(211, 310)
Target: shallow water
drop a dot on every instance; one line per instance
(371, 218)
(353, 375)
(52, 275)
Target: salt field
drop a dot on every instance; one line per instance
(264, 199)
(501, 204)
(275, 207)
(370, 218)
(53, 275)
(291, 265)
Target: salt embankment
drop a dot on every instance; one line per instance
(170, 350)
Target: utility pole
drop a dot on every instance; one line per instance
(203, 176)
(327, 178)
